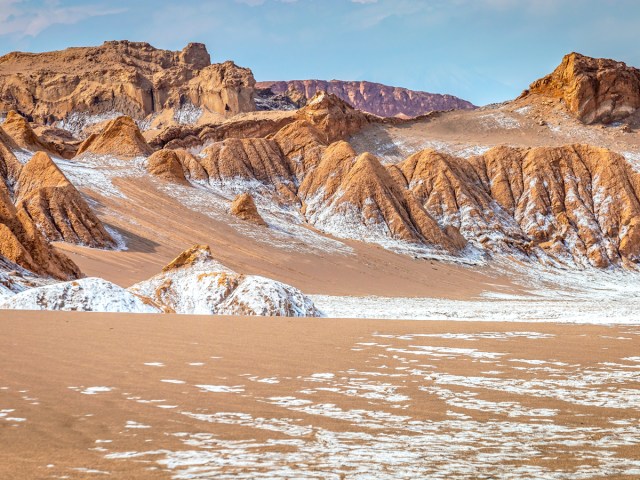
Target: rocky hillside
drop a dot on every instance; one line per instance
(573, 205)
(375, 98)
(120, 77)
(595, 90)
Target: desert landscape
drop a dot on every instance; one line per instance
(204, 276)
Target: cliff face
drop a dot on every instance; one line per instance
(131, 78)
(375, 98)
(593, 89)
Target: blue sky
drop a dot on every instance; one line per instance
(481, 50)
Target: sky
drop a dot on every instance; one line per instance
(484, 51)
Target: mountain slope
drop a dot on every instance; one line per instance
(375, 98)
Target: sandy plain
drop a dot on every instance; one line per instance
(86, 396)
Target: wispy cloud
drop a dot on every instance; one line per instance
(25, 18)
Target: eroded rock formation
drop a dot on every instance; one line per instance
(44, 194)
(197, 284)
(131, 78)
(120, 137)
(245, 209)
(593, 89)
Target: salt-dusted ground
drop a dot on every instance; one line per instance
(200, 399)
(549, 295)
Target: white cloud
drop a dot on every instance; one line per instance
(26, 19)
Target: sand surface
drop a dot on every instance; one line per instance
(86, 396)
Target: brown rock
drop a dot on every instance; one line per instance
(22, 243)
(55, 206)
(375, 98)
(132, 78)
(573, 205)
(21, 132)
(593, 89)
(250, 159)
(191, 256)
(351, 195)
(120, 138)
(244, 208)
(302, 144)
(333, 117)
(165, 164)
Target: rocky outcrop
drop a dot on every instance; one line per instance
(354, 196)
(234, 162)
(302, 144)
(132, 78)
(166, 164)
(120, 138)
(22, 243)
(55, 206)
(593, 89)
(333, 117)
(245, 209)
(571, 205)
(195, 283)
(85, 295)
(22, 134)
(375, 98)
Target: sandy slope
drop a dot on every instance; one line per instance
(86, 395)
(160, 221)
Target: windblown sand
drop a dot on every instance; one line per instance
(86, 396)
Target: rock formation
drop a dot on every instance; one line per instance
(356, 197)
(375, 98)
(249, 160)
(333, 117)
(120, 138)
(195, 283)
(574, 205)
(166, 164)
(22, 134)
(55, 206)
(85, 295)
(132, 78)
(22, 242)
(244, 208)
(593, 89)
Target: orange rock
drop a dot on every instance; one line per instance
(244, 208)
(355, 195)
(165, 164)
(55, 206)
(133, 78)
(593, 89)
(22, 134)
(120, 138)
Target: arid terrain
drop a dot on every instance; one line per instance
(473, 273)
(199, 397)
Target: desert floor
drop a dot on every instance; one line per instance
(86, 396)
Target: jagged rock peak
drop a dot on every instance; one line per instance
(245, 208)
(166, 164)
(196, 55)
(56, 207)
(18, 128)
(593, 89)
(120, 137)
(192, 256)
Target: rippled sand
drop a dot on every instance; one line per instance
(87, 396)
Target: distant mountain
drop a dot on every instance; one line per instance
(375, 98)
